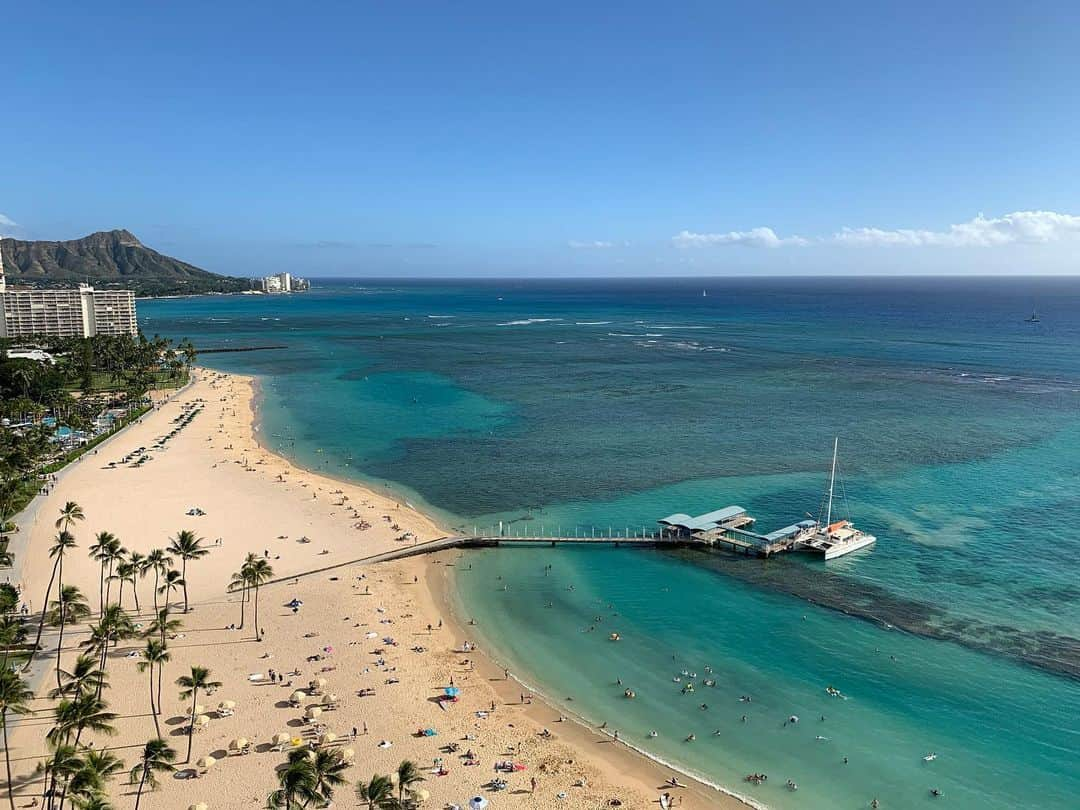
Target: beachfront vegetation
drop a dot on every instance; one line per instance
(190, 686)
(253, 574)
(95, 386)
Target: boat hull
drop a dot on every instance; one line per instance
(840, 549)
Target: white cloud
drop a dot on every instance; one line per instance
(5, 223)
(1025, 227)
(1019, 227)
(756, 237)
(589, 245)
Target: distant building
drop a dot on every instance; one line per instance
(283, 283)
(81, 312)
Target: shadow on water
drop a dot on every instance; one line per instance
(1049, 651)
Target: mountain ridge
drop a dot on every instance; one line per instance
(115, 258)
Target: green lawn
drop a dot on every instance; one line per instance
(102, 381)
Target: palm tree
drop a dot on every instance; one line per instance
(327, 766)
(297, 780)
(155, 655)
(170, 583)
(259, 571)
(378, 793)
(158, 562)
(199, 679)
(87, 787)
(114, 556)
(242, 580)
(115, 624)
(61, 767)
(83, 678)
(71, 607)
(125, 572)
(15, 698)
(69, 513)
(84, 712)
(64, 541)
(408, 775)
(12, 635)
(156, 757)
(138, 564)
(187, 546)
(99, 550)
(163, 625)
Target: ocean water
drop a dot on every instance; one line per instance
(603, 405)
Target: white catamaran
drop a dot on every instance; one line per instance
(833, 539)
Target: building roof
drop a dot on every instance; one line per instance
(710, 520)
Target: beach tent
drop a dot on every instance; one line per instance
(327, 737)
(297, 696)
(202, 721)
(281, 738)
(313, 713)
(227, 705)
(239, 744)
(477, 803)
(347, 754)
(329, 699)
(206, 763)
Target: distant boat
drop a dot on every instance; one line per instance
(1034, 317)
(833, 538)
(704, 294)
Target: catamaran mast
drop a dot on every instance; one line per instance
(832, 481)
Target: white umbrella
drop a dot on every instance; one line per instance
(206, 762)
(200, 709)
(420, 796)
(281, 738)
(329, 699)
(238, 743)
(297, 696)
(347, 754)
(227, 704)
(477, 803)
(199, 806)
(202, 720)
(313, 712)
(327, 737)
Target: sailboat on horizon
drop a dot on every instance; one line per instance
(833, 538)
(1034, 316)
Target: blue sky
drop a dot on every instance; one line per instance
(555, 139)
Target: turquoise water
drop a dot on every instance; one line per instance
(604, 405)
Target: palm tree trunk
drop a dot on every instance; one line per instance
(160, 670)
(155, 591)
(153, 708)
(183, 576)
(7, 763)
(138, 796)
(191, 728)
(63, 614)
(41, 623)
(101, 589)
(243, 602)
(121, 599)
(256, 612)
(135, 590)
(108, 583)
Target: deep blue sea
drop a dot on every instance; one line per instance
(603, 405)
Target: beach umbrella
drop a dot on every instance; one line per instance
(329, 698)
(227, 704)
(477, 803)
(238, 743)
(281, 738)
(202, 720)
(327, 737)
(206, 762)
(297, 741)
(297, 696)
(199, 806)
(420, 796)
(347, 754)
(317, 683)
(451, 691)
(313, 712)
(200, 709)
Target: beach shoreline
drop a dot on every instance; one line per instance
(256, 500)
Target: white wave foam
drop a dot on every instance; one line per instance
(628, 334)
(442, 316)
(528, 321)
(591, 323)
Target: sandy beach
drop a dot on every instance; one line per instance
(386, 630)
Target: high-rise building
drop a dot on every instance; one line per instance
(81, 312)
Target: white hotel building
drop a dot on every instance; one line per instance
(81, 312)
